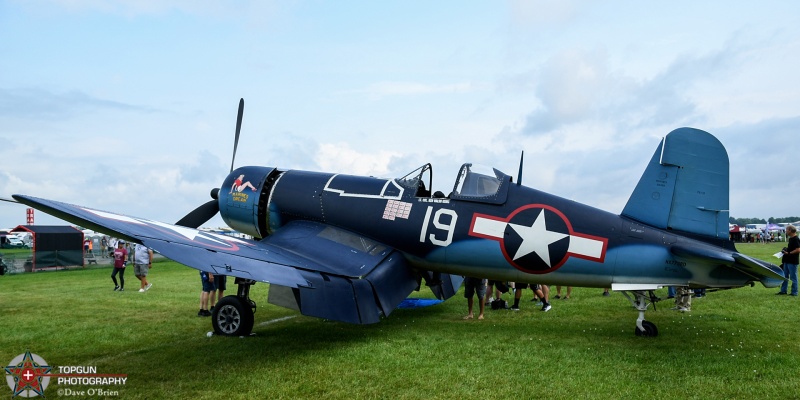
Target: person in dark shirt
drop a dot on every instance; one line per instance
(791, 254)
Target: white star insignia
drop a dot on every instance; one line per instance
(536, 239)
(188, 233)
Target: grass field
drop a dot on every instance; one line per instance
(735, 344)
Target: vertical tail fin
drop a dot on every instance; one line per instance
(686, 186)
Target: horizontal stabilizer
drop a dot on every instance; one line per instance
(771, 275)
(768, 274)
(703, 254)
(685, 186)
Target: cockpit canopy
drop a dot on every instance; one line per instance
(416, 180)
(475, 182)
(480, 183)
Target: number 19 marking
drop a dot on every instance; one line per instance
(448, 227)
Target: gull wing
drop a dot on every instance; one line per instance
(204, 251)
(320, 270)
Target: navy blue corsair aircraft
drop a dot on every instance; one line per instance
(351, 248)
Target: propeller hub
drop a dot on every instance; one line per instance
(215, 193)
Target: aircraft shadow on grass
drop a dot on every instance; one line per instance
(351, 248)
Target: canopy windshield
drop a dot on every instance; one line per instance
(477, 182)
(416, 180)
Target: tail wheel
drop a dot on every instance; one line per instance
(232, 316)
(649, 329)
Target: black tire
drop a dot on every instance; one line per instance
(232, 316)
(650, 329)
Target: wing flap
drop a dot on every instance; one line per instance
(359, 281)
(356, 301)
(333, 298)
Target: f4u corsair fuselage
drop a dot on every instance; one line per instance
(350, 248)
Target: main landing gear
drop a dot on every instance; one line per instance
(641, 300)
(233, 315)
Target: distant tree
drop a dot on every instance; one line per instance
(745, 221)
(773, 220)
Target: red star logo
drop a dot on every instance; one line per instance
(28, 375)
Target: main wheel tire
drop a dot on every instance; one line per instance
(650, 329)
(232, 316)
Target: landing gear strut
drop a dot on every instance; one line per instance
(233, 315)
(641, 300)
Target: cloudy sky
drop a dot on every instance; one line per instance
(130, 105)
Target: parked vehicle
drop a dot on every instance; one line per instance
(13, 242)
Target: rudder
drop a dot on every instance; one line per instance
(686, 186)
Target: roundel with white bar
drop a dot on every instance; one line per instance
(537, 238)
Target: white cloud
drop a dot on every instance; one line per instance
(340, 157)
(578, 87)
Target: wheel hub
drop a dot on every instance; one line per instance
(229, 319)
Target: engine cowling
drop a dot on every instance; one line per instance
(243, 199)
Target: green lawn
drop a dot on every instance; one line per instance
(735, 344)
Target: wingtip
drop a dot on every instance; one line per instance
(22, 199)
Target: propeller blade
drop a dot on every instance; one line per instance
(205, 212)
(238, 129)
(200, 215)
